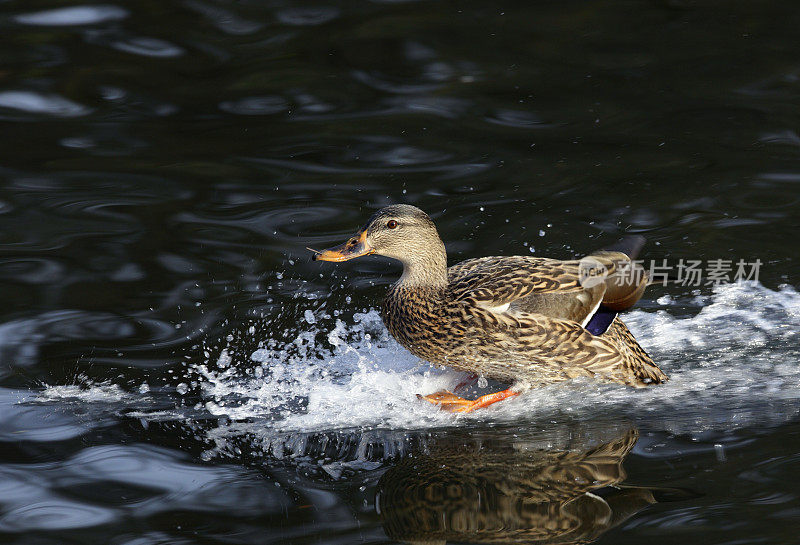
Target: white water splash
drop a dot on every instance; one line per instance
(732, 357)
(355, 376)
(727, 362)
(87, 391)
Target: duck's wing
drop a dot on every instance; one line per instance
(518, 285)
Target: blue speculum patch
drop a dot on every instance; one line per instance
(601, 321)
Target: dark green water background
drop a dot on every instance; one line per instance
(164, 164)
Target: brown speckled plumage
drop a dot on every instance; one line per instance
(516, 319)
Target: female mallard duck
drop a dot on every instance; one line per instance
(526, 320)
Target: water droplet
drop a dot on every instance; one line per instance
(224, 359)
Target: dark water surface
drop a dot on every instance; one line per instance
(176, 370)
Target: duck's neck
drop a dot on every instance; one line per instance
(426, 269)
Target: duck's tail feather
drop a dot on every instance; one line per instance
(630, 245)
(625, 279)
(641, 366)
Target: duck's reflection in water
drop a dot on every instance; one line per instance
(512, 491)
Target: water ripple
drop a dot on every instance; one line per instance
(283, 224)
(55, 515)
(307, 16)
(148, 47)
(265, 105)
(382, 82)
(22, 339)
(223, 19)
(40, 103)
(447, 171)
(516, 118)
(75, 15)
(181, 484)
(32, 270)
(20, 422)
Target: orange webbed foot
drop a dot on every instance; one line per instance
(447, 401)
(450, 402)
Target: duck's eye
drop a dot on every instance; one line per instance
(391, 224)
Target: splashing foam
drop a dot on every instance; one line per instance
(727, 363)
(87, 391)
(731, 357)
(351, 376)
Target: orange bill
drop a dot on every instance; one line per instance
(355, 247)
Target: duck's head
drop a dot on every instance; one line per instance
(400, 231)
